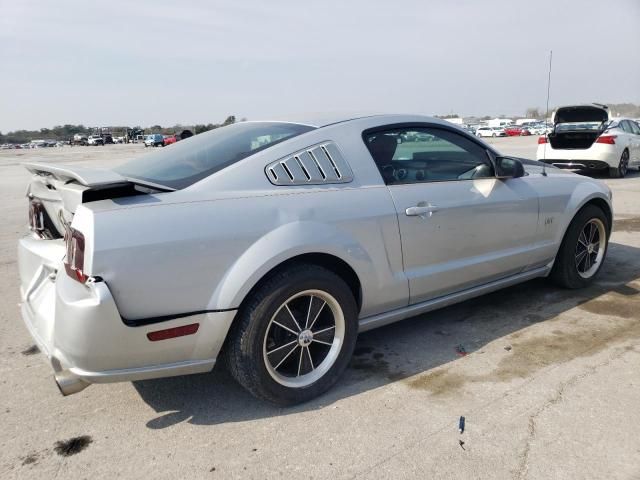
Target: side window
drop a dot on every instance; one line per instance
(626, 126)
(419, 155)
(635, 128)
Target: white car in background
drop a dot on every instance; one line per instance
(95, 140)
(537, 129)
(584, 137)
(490, 132)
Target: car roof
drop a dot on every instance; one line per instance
(324, 120)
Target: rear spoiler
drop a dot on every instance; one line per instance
(90, 177)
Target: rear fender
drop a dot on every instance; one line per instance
(279, 245)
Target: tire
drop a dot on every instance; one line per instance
(289, 377)
(494, 135)
(623, 166)
(577, 262)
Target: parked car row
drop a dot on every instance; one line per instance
(32, 144)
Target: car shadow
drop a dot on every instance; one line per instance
(394, 352)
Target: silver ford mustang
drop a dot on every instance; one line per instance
(272, 244)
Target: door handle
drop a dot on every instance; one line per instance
(421, 210)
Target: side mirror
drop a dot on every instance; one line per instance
(507, 167)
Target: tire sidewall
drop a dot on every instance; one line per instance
(566, 268)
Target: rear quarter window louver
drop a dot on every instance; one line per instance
(316, 165)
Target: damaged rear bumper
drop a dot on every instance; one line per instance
(80, 330)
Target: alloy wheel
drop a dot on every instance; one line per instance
(590, 248)
(304, 338)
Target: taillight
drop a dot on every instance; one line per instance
(542, 140)
(608, 139)
(74, 261)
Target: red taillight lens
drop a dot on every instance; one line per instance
(608, 139)
(74, 261)
(542, 140)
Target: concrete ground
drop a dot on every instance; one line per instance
(550, 388)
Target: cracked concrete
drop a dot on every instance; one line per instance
(556, 398)
(550, 388)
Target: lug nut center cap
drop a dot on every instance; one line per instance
(305, 338)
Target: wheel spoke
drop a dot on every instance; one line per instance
(285, 357)
(580, 257)
(592, 231)
(292, 317)
(323, 330)
(582, 239)
(300, 361)
(322, 342)
(310, 359)
(587, 262)
(282, 346)
(317, 315)
(286, 328)
(306, 323)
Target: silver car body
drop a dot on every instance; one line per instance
(193, 255)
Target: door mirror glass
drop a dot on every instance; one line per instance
(507, 167)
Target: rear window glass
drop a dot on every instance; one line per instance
(575, 126)
(188, 161)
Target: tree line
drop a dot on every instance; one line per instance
(66, 132)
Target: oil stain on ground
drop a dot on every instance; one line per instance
(375, 364)
(627, 224)
(74, 445)
(32, 350)
(530, 354)
(30, 459)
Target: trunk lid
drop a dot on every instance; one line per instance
(577, 127)
(56, 191)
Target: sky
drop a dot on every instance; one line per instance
(188, 61)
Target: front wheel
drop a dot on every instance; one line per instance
(623, 166)
(295, 336)
(494, 135)
(583, 249)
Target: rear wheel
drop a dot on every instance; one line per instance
(623, 166)
(583, 249)
(295, 336)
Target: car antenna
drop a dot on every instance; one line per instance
(544, 149)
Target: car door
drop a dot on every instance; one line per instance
(634, 147)
(459, 225)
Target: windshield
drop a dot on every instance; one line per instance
(188, 161)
